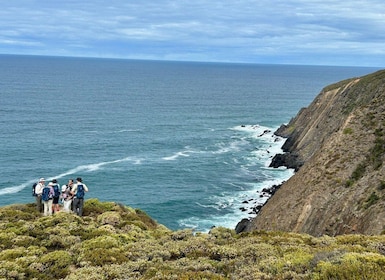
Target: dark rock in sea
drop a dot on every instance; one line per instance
(282, 131)
(241, 226)
(289, 160)
(264, 132)
(270, 191)
(257, 208)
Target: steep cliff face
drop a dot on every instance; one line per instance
(338, 145)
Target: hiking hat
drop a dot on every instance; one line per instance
(41, 180)
(63, 188)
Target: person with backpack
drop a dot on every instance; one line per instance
(47, 198)
(37, 192)
(78, 191)
(56, 196)
(67, 196)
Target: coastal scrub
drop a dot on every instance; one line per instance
(114, 241)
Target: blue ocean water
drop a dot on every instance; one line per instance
(189, 143)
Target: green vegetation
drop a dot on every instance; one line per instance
(372, 199)
(357, 174)
(376, 155)
(359, 171)
(364, 91)
(113, 241)
(338, 85)
(348, 131)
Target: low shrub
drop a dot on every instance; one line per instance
(371, 200)
(348, 131)
(352, 266)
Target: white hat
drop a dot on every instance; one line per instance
(50, 184)
(63, 188)
(41, 180)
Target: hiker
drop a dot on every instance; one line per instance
(47, 197)
(55, 200)
(78, 191)
(38, 191)
(67, 196)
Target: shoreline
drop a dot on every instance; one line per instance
(266, 192)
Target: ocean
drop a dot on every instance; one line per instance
(189, 143)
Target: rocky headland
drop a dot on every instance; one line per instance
(337, 147)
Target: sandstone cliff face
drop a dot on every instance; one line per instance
(338, 143)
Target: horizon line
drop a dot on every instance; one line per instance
(185, 61)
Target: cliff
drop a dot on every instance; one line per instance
(337, 146)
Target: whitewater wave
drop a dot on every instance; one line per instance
(236, 143)
(220, 148)
(112, 132)
(177, 155)
(16, 189)
(233, 206)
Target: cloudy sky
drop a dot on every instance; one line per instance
(319, 32)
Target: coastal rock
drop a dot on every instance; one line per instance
(242, 225)
(254, 207)
(289, 160)
(270, 191)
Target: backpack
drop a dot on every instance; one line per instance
(46, 195)
(80, 191)
(33, 189)
(56, 191)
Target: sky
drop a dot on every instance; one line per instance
(309, 32)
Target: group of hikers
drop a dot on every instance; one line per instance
(49, 196)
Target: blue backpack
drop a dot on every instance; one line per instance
(46, 194)
(80, 191)
(56, 191)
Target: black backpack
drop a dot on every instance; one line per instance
(33, 189)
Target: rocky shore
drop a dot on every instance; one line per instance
(253, 206)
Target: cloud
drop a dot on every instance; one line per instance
(292, 31)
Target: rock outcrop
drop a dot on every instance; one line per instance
(337, 146)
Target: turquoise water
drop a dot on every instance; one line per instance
(188, 143)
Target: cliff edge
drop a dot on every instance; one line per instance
(337, 146)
